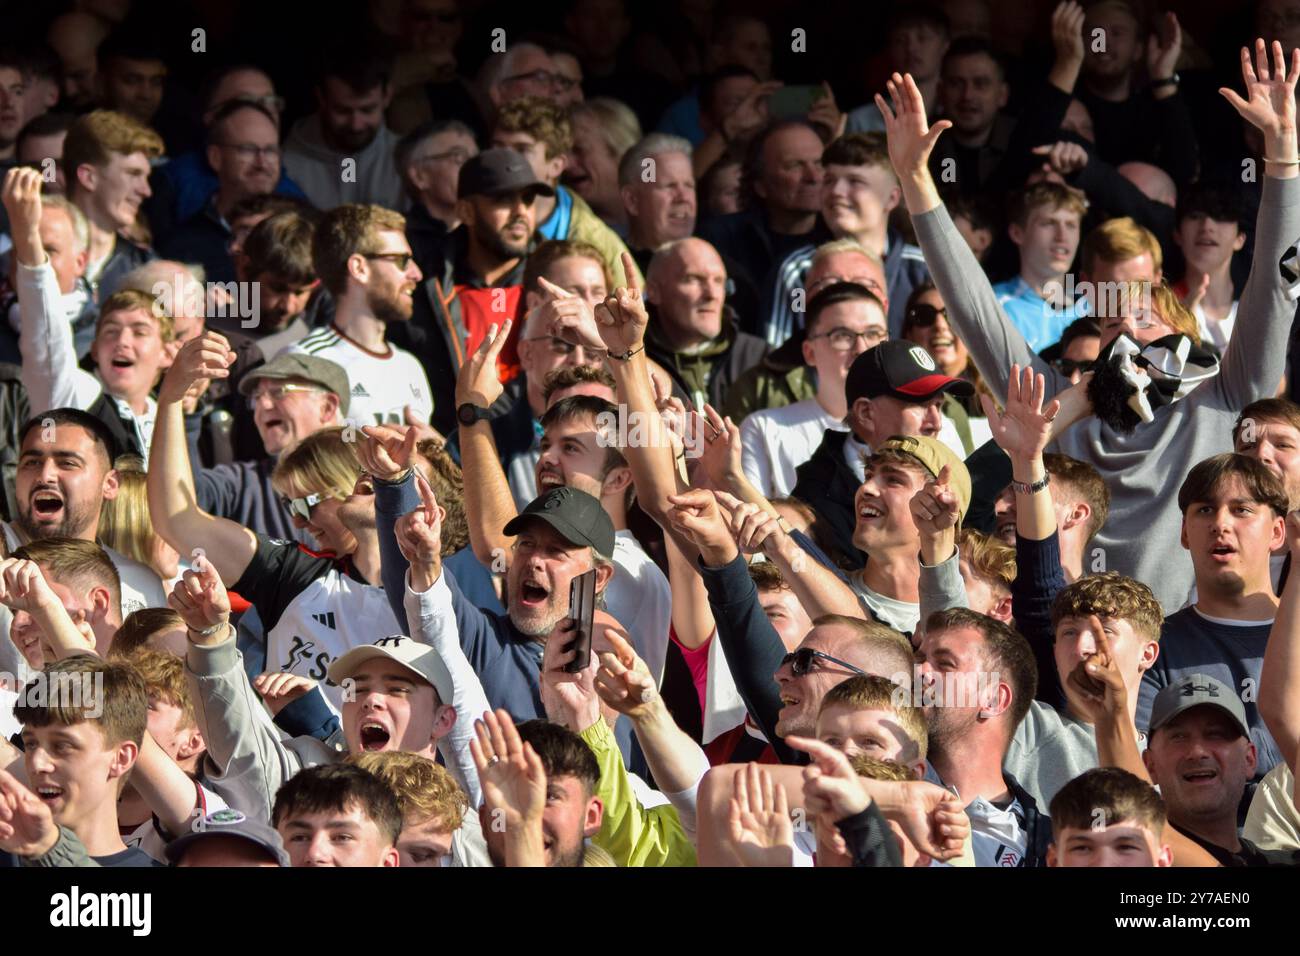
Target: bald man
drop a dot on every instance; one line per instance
(691, 333)
(1156, 184)
(75, 37)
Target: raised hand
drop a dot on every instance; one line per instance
(280, 688)
(754, 528)
(696, 515)
(1067, 32)
(200, 598)
(419, 537)
(568, 698)
(622, 318)
(759, 821)
(23, 587)
(422, 429)
(386, 451)
(199, 360)
(935, 507)
(1098, 680)
(911, 137)
(1063, 158)
(22, 200)
(723, 450)
(513, 779)
(1163, 48)
(566, 316)
(832, 790)
(750, 114)
(27, 826)
(826, 114)
(1270, 98)
(479, 382)
(1024, 429)
(624, 682)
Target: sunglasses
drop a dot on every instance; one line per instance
(925, 315)
(1069, 366)
(399, 259)
(301, 507)
(803, 661)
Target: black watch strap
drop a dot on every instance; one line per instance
(469, 413)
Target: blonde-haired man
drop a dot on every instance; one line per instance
(1044, 224)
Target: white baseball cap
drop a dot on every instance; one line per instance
(410, 653)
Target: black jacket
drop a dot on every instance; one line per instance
(827, 484)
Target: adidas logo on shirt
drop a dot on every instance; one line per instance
(359, 392)
(327, 618)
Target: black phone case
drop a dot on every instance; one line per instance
(582, 608)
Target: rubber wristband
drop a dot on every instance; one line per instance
(1282, 162)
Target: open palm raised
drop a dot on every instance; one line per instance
(1270, 95)
(1025, 427)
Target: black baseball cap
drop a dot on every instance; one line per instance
(496, 171)
(902, 370)
(1196, 690)
(576, 515)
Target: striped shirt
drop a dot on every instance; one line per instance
(381, 385)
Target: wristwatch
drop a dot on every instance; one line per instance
(470, 413)
(1167, 81)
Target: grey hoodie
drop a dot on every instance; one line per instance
(1144, 469)
(318, 169)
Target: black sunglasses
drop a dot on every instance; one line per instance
(1069, 366)
(925, 315)
(804, 659)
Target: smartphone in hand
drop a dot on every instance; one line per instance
(582, 610)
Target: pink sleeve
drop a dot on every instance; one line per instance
(698, 662)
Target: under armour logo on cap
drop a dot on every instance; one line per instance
(557, 497)
(1190, 689)
(394, 641)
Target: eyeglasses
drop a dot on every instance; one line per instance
(826, 281)
(1069, 366)
(803, 661)
(458, 155)
(399, 259)
(249, 152)
(301, 507)
(843, 340)
(925, 315)
(560, 347)
(277, 392)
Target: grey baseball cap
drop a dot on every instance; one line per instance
(411, 654)
(576, 515)
(328, 375)
(230, 823)
(1196, 690)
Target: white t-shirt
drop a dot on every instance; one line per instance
(1216, 332)
(779, 440)
(141, 586)
(900, 615)
(640, 599)
(382, 385)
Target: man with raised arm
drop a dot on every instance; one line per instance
(1188, 429)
